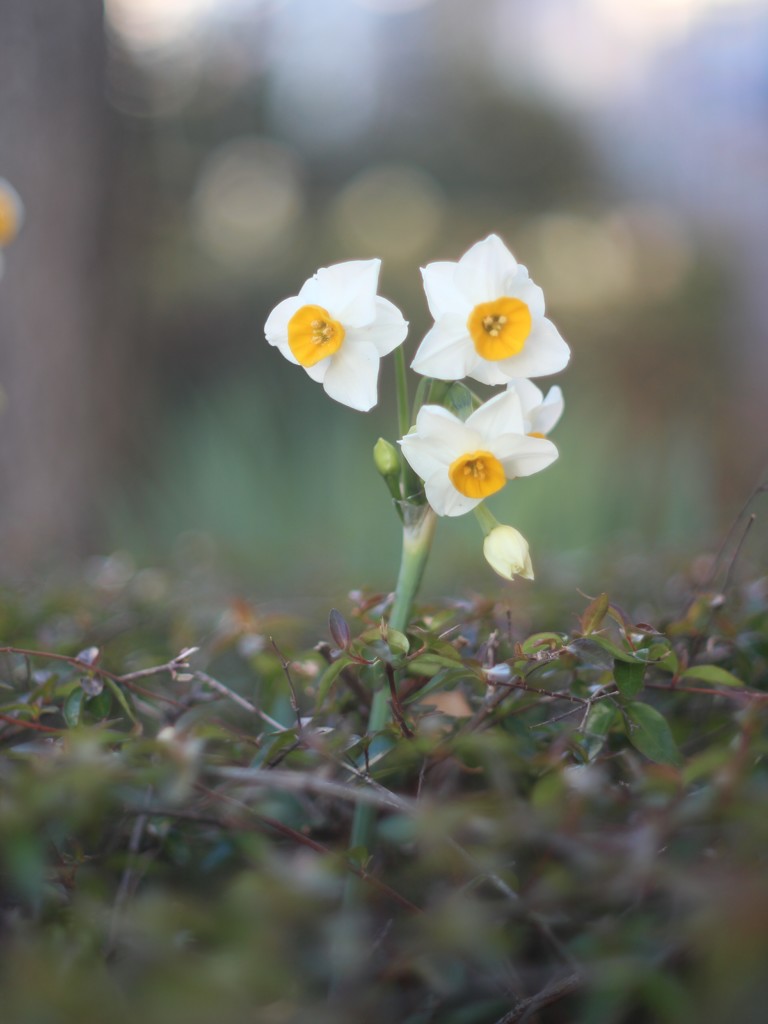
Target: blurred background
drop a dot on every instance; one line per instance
(186, 164)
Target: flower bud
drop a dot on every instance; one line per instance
(386, 458)
(506, 551)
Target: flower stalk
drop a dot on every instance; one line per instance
(418, 532)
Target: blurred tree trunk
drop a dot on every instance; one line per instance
(54, 148)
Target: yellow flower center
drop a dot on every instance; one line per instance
(477, 474)
(9, 218)
(313, 335)
(537, 433)
(499, 329)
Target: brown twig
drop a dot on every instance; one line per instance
(397, 710)
(286, 667)
(237, 699)
(312, 844)
(551, 993)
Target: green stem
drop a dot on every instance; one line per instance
(418, 530)
(401, 389)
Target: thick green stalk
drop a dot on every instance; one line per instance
(418, 531)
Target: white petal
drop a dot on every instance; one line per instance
(520, 286)
(442, 295)
(386, 332)
(522, 455)
(440, 438)
(311, 294)
(487, 372)
(276, 327)
(445, 499)
(446, 351)
(503, 414)
(482, 272)
(318, 371)
(352, 376)
(530, 397)
(549, 411)
(545, 352)
(276, 323)
(349, 291)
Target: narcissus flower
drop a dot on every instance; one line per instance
(461, 464)
(489, 320)
(11, 212)
(506, 551)
(338, 329)
(540, 414)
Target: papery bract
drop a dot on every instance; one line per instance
(338, 329)
(489, 320)
(461, 463)
(506, 551)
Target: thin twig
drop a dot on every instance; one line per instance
(551, 993)
(301, 839)
(286, 667)
(243, 703)
(397, 711)
(313, 783)
(129, 873)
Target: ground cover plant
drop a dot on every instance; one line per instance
(569, 826)
(413, 812)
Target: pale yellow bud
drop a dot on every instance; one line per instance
(506, 551)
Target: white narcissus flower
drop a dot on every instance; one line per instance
(11, 212)
(338, 329)
(540, 414)
(489, 320)
(463, 463)
(506, 551)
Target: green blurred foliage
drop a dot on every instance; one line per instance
(572, 817)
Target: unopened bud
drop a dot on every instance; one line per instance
(506, 551)
(386, 458)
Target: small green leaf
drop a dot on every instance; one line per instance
(329, 677)
(594, 614)
(73, 707)
(100, 705)
(430, 664)
(397, 642)
(123, 700)
(629, 677)
(649, 733)
(712, 674)
(542, 641)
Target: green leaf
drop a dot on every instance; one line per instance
(329, 677)
(607, 645)
(594, 614)
(442, 678)
(537, 641)
(430, 664)
(712, 674)
(397, 642)
(601, 718)
(123, 700)
(73, 707)
(629, 677)
(100, 705)
(649, 733)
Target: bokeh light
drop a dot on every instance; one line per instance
(248, 202)
(393, 211)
